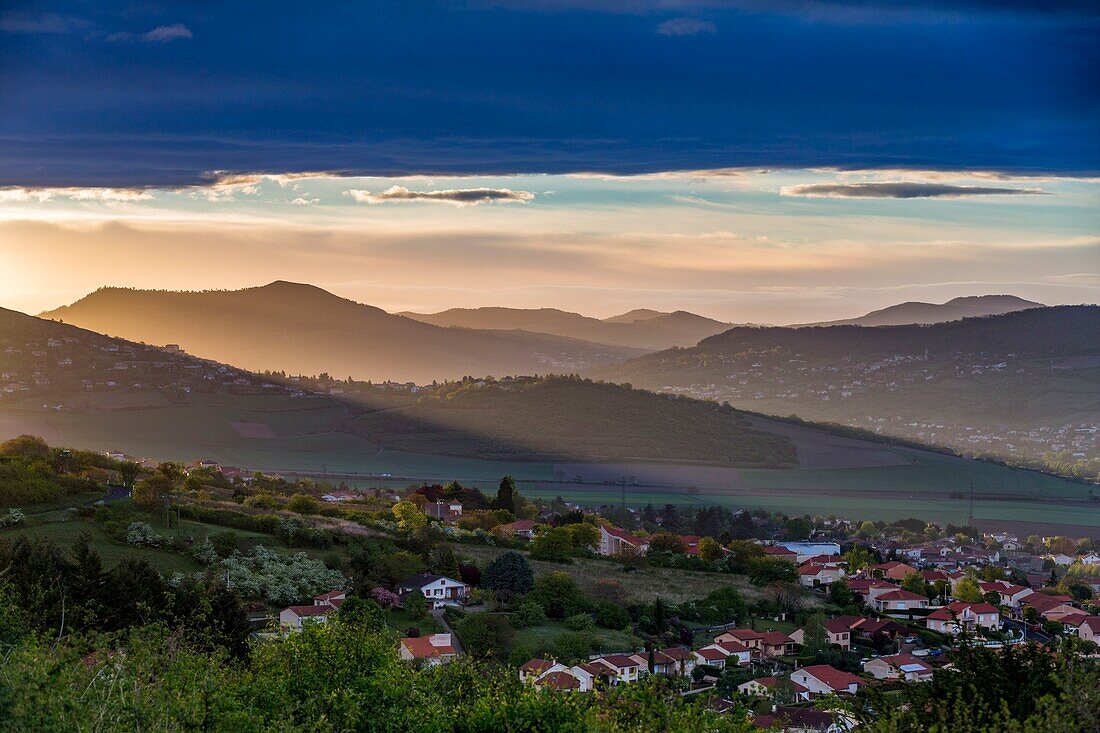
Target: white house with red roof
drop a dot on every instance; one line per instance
(754, 640)
(293, 618)
(674, 660)
(812, 575)
(870, 588)
(1051, 607)
(622, 667)
(430, 650)
(1011, 594)
(899, 600)
(615, 541)
(438, 590)
(710, 656)
(824, 679)
(962, 616)
(777, 552)
(334, 598)
(765, 687)
(522, 528)
(1089, 629)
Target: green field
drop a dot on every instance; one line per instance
(542, 637)
(306, 441)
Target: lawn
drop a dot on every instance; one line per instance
(399, 621)
(66, 528)
(641, 585)
(542, 637)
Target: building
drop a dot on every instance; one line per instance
(899, 600)
(293, 618)
(777, 552)
(430, 650)
(960, 616)
(824, 679)
(777, 644)
(522, 528)
(812, 575)
(892, 570)
(1051, 607)
(805, 550)
(444, 511)
(622, 668)
(754, 640)
(870, 588)
(1011, 594)
(899, 667)
(765, 687)
(615, 541)
(439, 590)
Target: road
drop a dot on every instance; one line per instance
(455, 641)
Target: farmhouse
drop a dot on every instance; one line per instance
(431, 650)
(439, 590)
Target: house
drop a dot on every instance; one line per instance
(812, 575)
(961, 616)
(1061, 559)
(293, 618)
(710, 656)
(334, 598)
(431, 650)
(870, 588)
(892, 570)
(335, 496)
(557, 676)
(1091, 558)
(754, 640)
(1051, 607)
(560, 680)
(872, 627)
(1089, 629)
(1011, 594)
(899, 600)
(805, 550)
(899, 667)
(675, 660)
(765, 687)
(439, 590)
(824, 679)
(622, 668)
(522, 528)
(615, 541)
(776, 644)
(532, 669)
(444, 511)
(734, 649)
(777, 552)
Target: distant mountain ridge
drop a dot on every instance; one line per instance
(640, 329)
(916, 312)
(303, 329)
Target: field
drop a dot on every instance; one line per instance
(896, 483)
(542, 637)
(641, 584)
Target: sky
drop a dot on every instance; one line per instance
(753, 161)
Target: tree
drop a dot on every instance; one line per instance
(722, 606)
(151, 492)
(666, 542)
(442, 561)
(509, 575)
(128, 473)
(408, 516)
(486, 635)
(364, 613)
(611, 616)
(914, 583)
(554, 544)
(302, 504)
(968, 590)
(858, 558)
(528, 613)
(415, 604)
(841, 594)
(506, 495)
(814, 638)
(798, 528)
(559, 594)
(385, 599)
(709, 549)
(584, 535)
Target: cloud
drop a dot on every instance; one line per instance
(453, 196)
(20, 194)
(42, 23)
(899, 190)
(160, 34)
(685, 27)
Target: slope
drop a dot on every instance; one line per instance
(303, 329)
(953, 310)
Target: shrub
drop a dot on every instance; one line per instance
(611, 616)
(579, 622)
(528, 613)
(141, 533)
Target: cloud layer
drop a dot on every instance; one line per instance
(685, 27)
(453, 196)
(900, 190)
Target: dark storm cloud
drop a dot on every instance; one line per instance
(900, 190)
(457, 196)
(482, 88)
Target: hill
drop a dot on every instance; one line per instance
(589, 442)
(638, 329)
(303, 329)
(1022, 385)
(953, 310)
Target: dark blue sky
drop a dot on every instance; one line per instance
(141, 93)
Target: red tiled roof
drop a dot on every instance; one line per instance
(559, 681)
(743, 634)
(831, 676)
(536, 665)
(901, 595)
(779, 551)
(837, 625)
(625, 536)
(810, 569)
(861, 585)
(310, 610)
(732, 647)
(711, 654)
(957, 608)
(1093, 622)
(619, 661)
(1042, 602)
(518, 525)
(677, 652)
(897, 660)
(776, 638)
(332, 595)
(421, 647)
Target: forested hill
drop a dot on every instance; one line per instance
(1023, 386)
(953, 310)
(303, 329)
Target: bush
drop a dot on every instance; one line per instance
(528, 613)
(611, 616)
(486, 635)
(141, 533)
(573, 646)
(579, 622)
(559, 594)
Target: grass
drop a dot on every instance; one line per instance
(399, 620)
(543, 636)
(641, 585)
(65, 531)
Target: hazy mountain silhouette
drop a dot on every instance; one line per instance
(640, 329)
(953, 310)
(304, 329)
